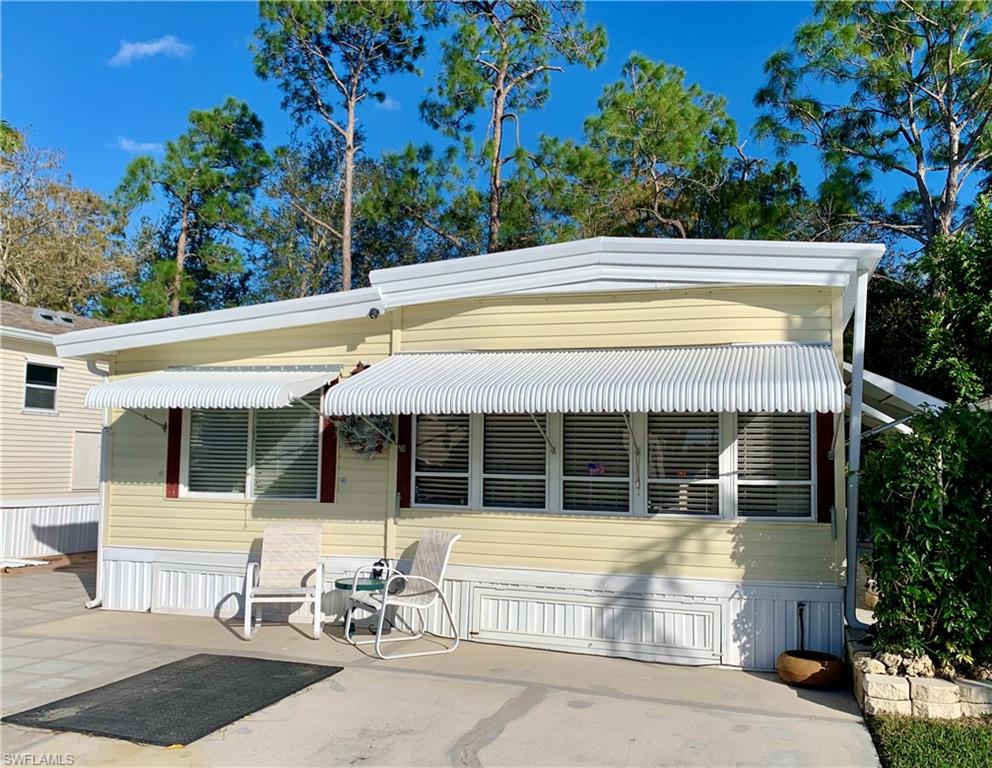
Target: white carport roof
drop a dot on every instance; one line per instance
(213, 387)
(784, 378)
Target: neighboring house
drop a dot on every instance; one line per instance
(49, 442)
(640, 441)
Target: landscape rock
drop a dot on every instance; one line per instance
(933, 691)
(920, 666)
(887, 707)
(886, 687)
(892, 662)
(870, 666)
(930, 710)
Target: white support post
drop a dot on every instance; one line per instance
(854, 451)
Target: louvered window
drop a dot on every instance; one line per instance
(683, 463)
(441, 463)
(218, 451)
(774, 469)
(514, 461)
(287, 451)
(595, 463)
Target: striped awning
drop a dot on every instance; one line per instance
(213, 387)
(774, 378)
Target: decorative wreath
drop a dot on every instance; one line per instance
(366, 436)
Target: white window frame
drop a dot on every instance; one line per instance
(638, 480)
(54, 410)
(249, 492)
(811, 483)
(471, 475)
(634, 470)
(717, 481)
(479, 452)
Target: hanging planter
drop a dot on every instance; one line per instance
(365, 435)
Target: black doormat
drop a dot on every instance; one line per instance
(177, 703)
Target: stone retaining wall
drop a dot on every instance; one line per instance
(928, 697)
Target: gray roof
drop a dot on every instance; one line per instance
(43, 320)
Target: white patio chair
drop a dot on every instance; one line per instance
(417, 591)
(290, 556)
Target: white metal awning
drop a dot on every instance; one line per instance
(213, 387)
(784, 378)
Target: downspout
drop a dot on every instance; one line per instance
(854, 452)
(97, 600)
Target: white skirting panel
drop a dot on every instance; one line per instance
(41, 527)
(682, 621)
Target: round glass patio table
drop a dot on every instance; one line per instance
(364, 584)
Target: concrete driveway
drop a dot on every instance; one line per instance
(485, 705)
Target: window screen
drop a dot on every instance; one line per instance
(287, 451)
(442, 460)
(218, 451)
(595, 463)
(774, 474)
(684, 463)
(514, 461)
(40, 385)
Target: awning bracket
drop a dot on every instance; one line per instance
(388, 438)
(637, 451)
(165, 427)
(551, 446)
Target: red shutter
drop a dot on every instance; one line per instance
(174, 452)
(824, 466)
(328, 457)
(404, 466)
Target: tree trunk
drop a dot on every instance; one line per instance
(346, 207)
(177, 281)
(496, 164)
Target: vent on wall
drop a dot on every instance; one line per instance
(53, 317)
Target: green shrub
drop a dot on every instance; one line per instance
(928, 502)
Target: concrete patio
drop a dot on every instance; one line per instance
(485, 705)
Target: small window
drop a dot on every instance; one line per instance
(514, 461)
(287, 451)
(218, 451)
(40, 386)
(595, 463)
(684, 463)
(441, 465)
(774, 468)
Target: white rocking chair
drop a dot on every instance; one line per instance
(417, 590)
(290, 555)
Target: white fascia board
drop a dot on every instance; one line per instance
(24, 334)
(290, 313)
(608, 248)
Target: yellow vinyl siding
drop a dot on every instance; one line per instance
(36, 448)
(360, 522)
(671, 318)
(141, 516)
(717, 549)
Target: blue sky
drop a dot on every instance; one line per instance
(104, 81)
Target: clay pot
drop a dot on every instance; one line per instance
(813, 669)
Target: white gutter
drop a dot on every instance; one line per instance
(854, 452)
(97, 600)
(24, 334)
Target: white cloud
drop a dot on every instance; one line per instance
(170, 45)
(133, 147)
(388, 104)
